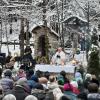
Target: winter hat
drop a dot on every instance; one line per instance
(22, 81)
(65, 97)
(78, 74)
(8, 72)
(31, 97)
(63, 73)
(34, 78)
(9, 97)
(78, 77)
(88, 76)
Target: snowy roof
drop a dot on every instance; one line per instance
(5, 1)
(51, 30)
(82, 19)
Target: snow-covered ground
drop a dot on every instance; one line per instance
(13, 51)
(4, 49)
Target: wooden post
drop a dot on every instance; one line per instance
(6, 32)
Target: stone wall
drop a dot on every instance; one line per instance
(53, 39)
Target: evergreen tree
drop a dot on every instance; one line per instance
(47, 45)
(93, 63)
(94, 38)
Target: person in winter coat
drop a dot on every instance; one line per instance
(21, 89)
(1, 92)
(34, 83)
(93, 92)
(52, 84)
(7, 81)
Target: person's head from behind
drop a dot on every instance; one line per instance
(52, 79)
(8, 73)
(88, 76)
(31, 97)
(21, 69)
(93, 88)
(47, 74)
(30, 73)
(9, 97)
(63, 73)
(65, 97)
(39, 73)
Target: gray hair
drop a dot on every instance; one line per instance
(31, 97)
(9, 97)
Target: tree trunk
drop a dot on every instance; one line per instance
(27, 33)
(21, 38)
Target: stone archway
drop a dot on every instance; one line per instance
(42, 45)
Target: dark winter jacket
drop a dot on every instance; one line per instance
(19, 92)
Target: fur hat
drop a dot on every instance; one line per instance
(88, 76)
(9, 97)
(31, 97)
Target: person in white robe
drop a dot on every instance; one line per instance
(59, 58)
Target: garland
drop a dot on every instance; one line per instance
(43, 59)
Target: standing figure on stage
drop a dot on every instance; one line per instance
(28, 55)
(59, 58)
(7, 60)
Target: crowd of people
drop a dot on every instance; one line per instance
(27, 85)
(20, 82)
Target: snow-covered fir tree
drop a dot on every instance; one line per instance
(94, 59)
